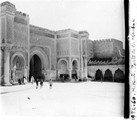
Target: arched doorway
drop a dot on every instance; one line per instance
(108, 75)
(74, 69)
(63, 69)
(35, 66)
(18, 66)
(99, 75)
(119, 76)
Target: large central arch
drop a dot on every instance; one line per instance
(38, 62)
(35, 66)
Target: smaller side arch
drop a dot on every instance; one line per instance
(119, 76)
(78, 65)
(18, 64)
(20, 55)
(63, 69)
(108, 75)
(58, 65)
(98, 75)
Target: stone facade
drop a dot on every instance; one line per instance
(28, 50)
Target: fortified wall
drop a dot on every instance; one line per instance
(107, 48)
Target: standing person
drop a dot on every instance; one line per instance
(32, 79)
(41, 82)
(50, 84)
(19, 81)
(24, 80)
(37, 82)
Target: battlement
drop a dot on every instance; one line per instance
(7, 3)
(21, 14)
(66, 30)
(41, 29)
(103, 40)
(83, 32)
(62, 31)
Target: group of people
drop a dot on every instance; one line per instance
(39, 81)
(22, 80)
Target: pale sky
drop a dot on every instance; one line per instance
(101, 18)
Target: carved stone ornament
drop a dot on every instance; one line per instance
(6, 46)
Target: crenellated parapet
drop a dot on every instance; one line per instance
(7, 8)
(41, 29)
(7, 3)
(84, 34)
(39, 32)
(20, 14)
(107, 48)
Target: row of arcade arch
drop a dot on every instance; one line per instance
(108, 76)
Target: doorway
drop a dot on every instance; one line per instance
(35, 67)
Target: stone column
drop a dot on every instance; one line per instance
(81, 69)
(78, 73)
(6, 67)
(113, 73)
(81, 73)
(26, 74)
(58, 73)
(85, 67)
(70, 73)
(0, 65)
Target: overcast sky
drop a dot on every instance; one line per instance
(101, 18)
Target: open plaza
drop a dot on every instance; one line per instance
(89, 99)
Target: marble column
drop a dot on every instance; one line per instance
(6, 67)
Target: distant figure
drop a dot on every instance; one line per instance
(32, 79)
(37, 82)
(24, 80)
(50, 84)
(63, 78)
(19, 81)
(41, 82)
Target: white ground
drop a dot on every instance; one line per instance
(66, 99)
